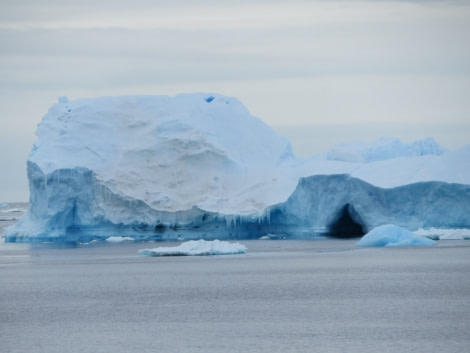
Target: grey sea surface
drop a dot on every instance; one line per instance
(282, 296)
(10, 213)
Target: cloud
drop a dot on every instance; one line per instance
(307, 38)
(187, 15)
(79, 45)
(301, 62)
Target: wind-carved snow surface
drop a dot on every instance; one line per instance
(199, 166)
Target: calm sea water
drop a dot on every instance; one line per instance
(282, 296)
(10, 213)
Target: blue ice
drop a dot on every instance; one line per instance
(392, 235)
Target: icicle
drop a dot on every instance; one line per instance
(228, 221)
(267, 213)
(173, 219)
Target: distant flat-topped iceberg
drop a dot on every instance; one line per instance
(200, 166)
(383, 149)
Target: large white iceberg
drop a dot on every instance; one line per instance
(199, 166)
(392, 235)
(197, 248)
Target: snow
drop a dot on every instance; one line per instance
(200, 165)
(201, 149)
(392, 235)
(450, 167)
(197, 248)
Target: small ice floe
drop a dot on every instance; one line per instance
(270, 236)
(3, 205)
(444, 234)
(12, 210)
(9, 219)
(197, 248)
(392, 235)
(118, 239)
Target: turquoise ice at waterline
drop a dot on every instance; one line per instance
(392, 235)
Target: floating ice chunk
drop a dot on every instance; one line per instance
(392, 235)
(12, 210)
(197, 248)
(271, 236)
(449, 234)
(118, 239)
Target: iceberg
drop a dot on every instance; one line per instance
(344, 206)
(392, 235)
(200, 166)
(383, 149)
(197, 248)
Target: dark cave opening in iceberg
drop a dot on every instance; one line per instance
(347, 226)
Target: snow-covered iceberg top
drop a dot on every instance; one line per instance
(182, 151)
(197, 248)
(392, 235)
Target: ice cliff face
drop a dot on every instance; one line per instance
(341, 206)
(200, 166)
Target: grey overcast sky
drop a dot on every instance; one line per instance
(319, 72)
